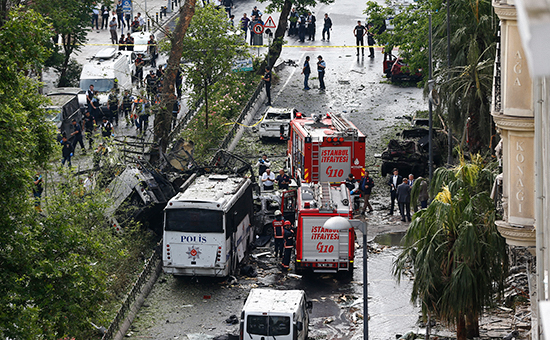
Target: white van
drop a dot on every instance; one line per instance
(277, 314)
(275, 123)
(107, 69)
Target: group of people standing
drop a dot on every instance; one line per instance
(302, 25)
(400, 191)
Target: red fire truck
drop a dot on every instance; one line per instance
(318, 249)
(325, 149)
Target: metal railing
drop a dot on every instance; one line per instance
(229, 137)
(126, 307)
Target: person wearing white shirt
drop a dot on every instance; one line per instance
(267, 179)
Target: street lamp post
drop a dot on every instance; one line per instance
(430, 87)
(341, 223)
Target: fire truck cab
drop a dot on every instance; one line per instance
(318, 249)
(325, 149)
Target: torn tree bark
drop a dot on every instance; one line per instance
(163, 119)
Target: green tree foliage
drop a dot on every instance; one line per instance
(70, 20)
(465, 84)
(59, 266)
(284, 6)
(228, 99)
(210, 46)
(459, 260)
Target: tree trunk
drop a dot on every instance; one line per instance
(68, 51)
(461, 328)
(163, 118)
(206, 103)
(277, 45)
(472, 325)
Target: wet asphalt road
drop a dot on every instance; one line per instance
(185, 308)
(196, 308)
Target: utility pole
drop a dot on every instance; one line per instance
(449, 129)
(430, 100)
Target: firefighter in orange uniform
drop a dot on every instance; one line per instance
(289, 244)
(278, 233)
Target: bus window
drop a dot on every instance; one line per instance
(191, 220)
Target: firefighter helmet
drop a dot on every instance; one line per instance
(278, 212)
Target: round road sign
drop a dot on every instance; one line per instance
(258, 28)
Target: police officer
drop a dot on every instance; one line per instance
(127, 107)
(143, 109)
(288, 237)
(151, 84)
(122, 43)
(278, 233)
(106, 128)
(77, 136)
(89, 123)
(152, 49)
(113, 107)
(139, 69)
(302, 28)
(359, 31)
(67, 151)
(263, 164)
(267, 80)
(129, 42)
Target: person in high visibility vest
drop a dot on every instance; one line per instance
(278, 233)
(289, 244)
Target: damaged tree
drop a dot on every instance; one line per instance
(163, 118)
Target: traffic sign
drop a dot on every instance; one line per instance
(258, 28)
(270, 23)
(127, 6)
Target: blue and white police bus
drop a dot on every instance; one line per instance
(208, 226)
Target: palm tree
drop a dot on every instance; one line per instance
(458, 258)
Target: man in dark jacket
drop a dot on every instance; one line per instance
(66, 152)
(327, 26)
(394, 182)
(365, 186)
(404, 200)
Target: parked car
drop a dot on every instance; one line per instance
(397, 69)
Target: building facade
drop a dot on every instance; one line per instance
(520, 111)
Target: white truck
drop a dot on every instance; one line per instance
(277, 314)
(108, 69)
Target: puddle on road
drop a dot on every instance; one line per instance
(390, 239)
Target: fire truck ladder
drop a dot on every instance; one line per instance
(324, 197)
(343, 125)
(315, 162)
